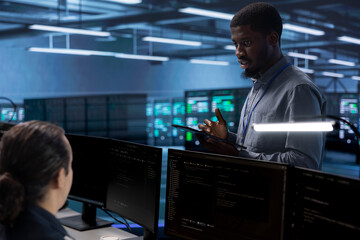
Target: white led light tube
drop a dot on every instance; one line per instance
(206, 13)
(209, 62)
(172, 41)
(306, 70)
(141, 57)
(302, 55)
(341, 62)
(230, 47)
(97, 53)
(127, 1)
(349, 39)
(69, 30)
(301, 29)
(294, 127)
(331, 74)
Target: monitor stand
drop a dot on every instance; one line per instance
(86, 221)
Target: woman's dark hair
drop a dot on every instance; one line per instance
(261, 16)
(31, 155)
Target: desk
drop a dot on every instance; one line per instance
(93, 234)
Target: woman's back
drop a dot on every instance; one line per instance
(35, 180)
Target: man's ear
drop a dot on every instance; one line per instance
(273, 38)
(59, 180)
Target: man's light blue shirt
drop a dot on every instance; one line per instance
(291, 95)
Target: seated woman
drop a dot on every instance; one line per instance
(35, 180)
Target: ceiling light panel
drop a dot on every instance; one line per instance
(301, 29)
(209, 62)
(172, 41)
(141, 57)
(332, 74)
(349, 39)
(341, 62)
(301, 55)
(206, 13)
(69, 30)
(126, 1)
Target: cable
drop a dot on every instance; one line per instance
(13, 105)
(126, 222)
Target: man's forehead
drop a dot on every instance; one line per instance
(243, 31)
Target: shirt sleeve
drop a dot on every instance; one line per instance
(301, 149)
(231, 137)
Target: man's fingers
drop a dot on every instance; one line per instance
(202, 126)
(219, 116)
(205, 128)
(208, 122)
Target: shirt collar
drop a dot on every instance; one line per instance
(46, 216)
(272, 71)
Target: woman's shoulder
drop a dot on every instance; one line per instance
(36, 224)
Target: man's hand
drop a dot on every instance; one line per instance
(218, 129)
(216, 146)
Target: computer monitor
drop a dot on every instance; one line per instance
(134, 184)
(150, 122)
(162, 122)
(197, 110)
(345, 106)
(326, 205)
(349, 110)
(90, 167)
(226, 101)
(178, 117)
(8, 114)
(212, 196)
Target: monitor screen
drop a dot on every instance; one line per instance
(219, 197)
(197, 104)
(21, 114)
(90, 169)
(90, 179)
(345, 106)
(150, 122)
(8, 114)
(349, 110)
(134, 182)
(227, 103)
(224, 100)
(162, 122)
(198, 108)
(178, 117)
(327, 205)
(120, 176)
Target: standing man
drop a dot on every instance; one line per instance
(280, 93)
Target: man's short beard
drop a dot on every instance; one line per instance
(251, 74)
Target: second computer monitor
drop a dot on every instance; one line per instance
(120, 176)
(134, 183)
(217, 197)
